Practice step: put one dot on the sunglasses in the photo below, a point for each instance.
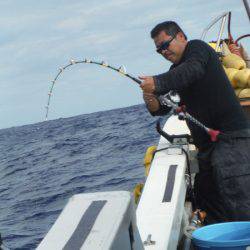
(164, 45)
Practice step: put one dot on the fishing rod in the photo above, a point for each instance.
(164, 99)
(120, 70)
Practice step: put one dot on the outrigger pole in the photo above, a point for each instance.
(247, 8)
(165, 100)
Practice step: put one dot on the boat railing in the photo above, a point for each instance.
(223, 19)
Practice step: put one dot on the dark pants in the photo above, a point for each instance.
(222, 187)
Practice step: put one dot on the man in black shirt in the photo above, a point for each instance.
(222, 186)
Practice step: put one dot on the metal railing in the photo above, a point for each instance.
(223, 19)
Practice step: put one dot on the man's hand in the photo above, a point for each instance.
(148, 84)
(151, 101)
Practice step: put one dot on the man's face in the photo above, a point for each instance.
(175, 49)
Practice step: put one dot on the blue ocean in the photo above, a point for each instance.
(42, 165)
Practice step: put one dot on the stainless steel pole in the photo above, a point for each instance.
(247, 8)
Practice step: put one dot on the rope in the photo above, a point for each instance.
(241, 37)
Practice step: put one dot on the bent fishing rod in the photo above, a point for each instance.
(165, 100)
(120, 70)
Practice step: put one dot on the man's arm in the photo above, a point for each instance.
(153, 105)
(192, 69)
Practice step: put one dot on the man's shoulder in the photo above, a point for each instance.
(198, 43)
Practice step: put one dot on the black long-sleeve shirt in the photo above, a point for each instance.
(205, 90)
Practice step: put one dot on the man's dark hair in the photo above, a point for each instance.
(171, 28)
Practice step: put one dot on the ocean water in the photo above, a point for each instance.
(44, 164)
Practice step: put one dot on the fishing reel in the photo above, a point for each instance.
(169, 99)
(172, 100)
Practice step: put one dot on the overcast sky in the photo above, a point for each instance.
(38, 37)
